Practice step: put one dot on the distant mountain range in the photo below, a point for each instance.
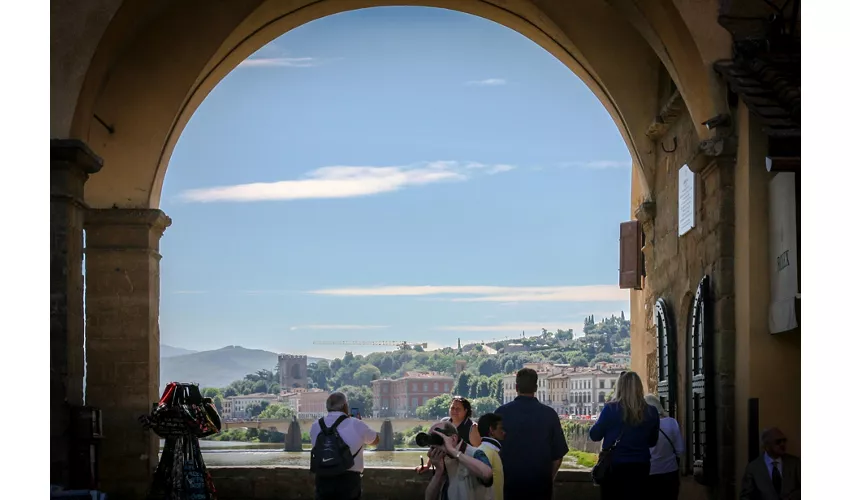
(216, 368)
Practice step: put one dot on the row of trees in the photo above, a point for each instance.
(438, 407)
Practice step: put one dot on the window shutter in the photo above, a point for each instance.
(703, 442)
(631, 255)
(666, 357)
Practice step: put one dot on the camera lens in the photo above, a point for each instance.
(423, 440)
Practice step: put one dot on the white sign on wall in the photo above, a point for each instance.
(687, 207)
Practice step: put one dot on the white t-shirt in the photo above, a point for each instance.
(354, 432)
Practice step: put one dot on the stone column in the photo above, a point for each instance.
(645, 213)
(716, 167)
(71, 162)
(122, 341)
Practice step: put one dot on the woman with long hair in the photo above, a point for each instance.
(629, 428)
(460, 415)
(664, 456)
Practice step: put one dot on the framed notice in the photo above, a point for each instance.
(687, 207)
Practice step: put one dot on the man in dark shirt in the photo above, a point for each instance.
(534, 444)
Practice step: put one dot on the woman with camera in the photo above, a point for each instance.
(461, 471)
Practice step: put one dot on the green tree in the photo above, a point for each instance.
(366, 374)
(358, 397)
(211, 392)
(481, 406)
(435, 408)
(260, 386)
(277, 411)
(386, 365)
(462, 386)
(254, 409)
(489, 367)
(218, 401)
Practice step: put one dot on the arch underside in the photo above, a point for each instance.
(158, 60)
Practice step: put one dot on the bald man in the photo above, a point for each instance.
(774, 475)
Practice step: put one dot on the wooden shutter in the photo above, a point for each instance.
(666, 357)
(631, 255)
(703, 442)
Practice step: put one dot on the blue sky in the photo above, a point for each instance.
(394, 173)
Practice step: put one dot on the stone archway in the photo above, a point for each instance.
(620, 51)
(128, 94)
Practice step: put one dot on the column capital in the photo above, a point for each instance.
(645, 213)
(152, 218)
(66, 152)
(712, 153)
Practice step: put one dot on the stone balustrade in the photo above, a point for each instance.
(379, 483)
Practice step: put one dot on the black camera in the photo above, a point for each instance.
(424, 439)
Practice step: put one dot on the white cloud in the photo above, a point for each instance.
(591, 293)
(338, 327)
(344, 182)
(279, 62)
(489, 82)
(597, 164)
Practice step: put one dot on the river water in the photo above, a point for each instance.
(229, 453)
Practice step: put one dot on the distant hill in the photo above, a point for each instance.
(167, 351)
(216, 368)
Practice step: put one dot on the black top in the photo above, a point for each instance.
(463, 429)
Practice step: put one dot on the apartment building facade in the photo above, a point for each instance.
(402, 396)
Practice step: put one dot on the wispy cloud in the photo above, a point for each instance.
(591, 293)
(338, 327)
(489, 82)
(345, 182)
(279, 62)
(596, 164)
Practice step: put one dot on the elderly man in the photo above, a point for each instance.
(337, 455)
(462, 471)
(774, 475)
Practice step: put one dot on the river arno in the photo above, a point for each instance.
(230, 453)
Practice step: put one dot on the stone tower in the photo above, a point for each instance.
(293, 371)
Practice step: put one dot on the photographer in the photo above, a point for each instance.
(461, 471)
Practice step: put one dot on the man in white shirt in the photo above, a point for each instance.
(774, 475)
(355, 434)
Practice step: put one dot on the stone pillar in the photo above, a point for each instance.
(71, 162)
(645, 213)
(716, 168)
(122, 341)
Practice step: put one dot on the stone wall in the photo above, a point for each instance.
(675, 264)
(284, 483)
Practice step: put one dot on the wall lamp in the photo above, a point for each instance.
(721, 120)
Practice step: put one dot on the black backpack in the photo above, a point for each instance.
(331, 456)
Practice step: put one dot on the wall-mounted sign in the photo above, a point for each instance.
(784, 259)
(687, 207)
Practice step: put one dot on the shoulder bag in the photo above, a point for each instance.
(602, 470)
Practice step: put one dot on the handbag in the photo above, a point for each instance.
(602, 470)
(671, 446)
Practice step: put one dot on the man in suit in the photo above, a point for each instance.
(774, 475)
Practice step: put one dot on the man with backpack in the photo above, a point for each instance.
(337, 455)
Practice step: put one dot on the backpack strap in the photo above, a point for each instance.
(338, 421)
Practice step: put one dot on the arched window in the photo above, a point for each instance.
(701, 415)
(666, 357)
(601, 396)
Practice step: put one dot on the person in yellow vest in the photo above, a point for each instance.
(492, 433)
